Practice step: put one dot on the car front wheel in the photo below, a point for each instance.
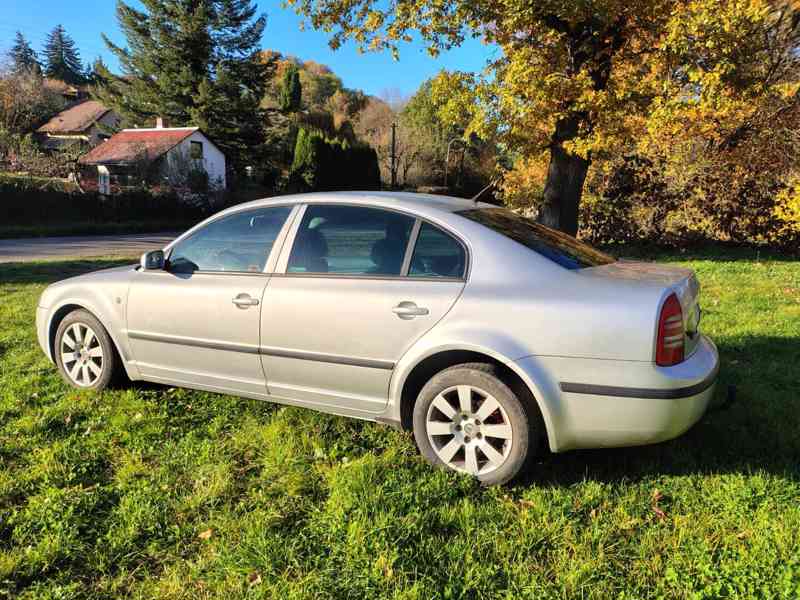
(84, 352)
(466, 419)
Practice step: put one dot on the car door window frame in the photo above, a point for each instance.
(274, 253)
(281, 268)
(412, 245)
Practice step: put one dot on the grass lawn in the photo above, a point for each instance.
(155, 492)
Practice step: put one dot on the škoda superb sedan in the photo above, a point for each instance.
(487, 334)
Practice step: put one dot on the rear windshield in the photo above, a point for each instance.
(555, 245)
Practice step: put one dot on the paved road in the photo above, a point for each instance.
(28, 249)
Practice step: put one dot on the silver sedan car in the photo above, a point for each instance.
(488, 335)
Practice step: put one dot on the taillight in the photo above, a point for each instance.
(669, 345)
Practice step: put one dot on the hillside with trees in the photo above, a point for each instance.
(656, 121)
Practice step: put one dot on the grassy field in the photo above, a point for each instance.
(154, 492)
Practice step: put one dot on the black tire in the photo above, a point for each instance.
(525, 427)
(108, 365)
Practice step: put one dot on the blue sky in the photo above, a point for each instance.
(374, 73)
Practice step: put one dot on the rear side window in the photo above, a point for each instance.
(437, 254)
(240, 242)
(351, 240)
(559, 247)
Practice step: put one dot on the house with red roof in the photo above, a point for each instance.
(83, 122)
(161, 156)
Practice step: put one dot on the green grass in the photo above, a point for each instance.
(153, 492)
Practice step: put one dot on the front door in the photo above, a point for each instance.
(353, 299)
(196, 323)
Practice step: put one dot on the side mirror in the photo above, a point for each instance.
(152, 261)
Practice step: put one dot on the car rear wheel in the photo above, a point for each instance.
(84, 352)
(467, 420)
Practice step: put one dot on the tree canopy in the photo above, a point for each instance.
(580, 80)
(61, 57)
(194, 63)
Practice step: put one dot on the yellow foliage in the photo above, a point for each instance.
(523, 185)
(787, 209)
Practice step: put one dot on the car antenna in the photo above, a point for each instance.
(486, 194)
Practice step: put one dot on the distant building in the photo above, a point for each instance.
(82, 122)
(69, 92)
(162, 156)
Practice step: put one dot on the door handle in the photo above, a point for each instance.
(245, 300)
(408, 310)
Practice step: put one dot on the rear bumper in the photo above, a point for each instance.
(606, 404)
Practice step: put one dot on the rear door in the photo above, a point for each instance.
(196, 323)
(351, 297)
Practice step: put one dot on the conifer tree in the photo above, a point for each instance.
(291, 92)
(196, 64)
(23, 57)
(62, 59)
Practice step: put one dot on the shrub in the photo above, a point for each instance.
(642, 199)
(331, 164)
(23, 204)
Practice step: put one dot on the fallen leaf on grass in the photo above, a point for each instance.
(253, 579)
(204, 535)
(656, 496)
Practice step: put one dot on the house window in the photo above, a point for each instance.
(196, 150)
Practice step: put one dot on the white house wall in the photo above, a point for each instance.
(213, 159)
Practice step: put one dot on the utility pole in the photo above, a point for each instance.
(394, 157)
(447, 157)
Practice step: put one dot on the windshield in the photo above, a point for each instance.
(559, 247)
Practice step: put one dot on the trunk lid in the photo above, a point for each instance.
(680, 280)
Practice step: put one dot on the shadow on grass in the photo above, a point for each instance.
(50, 271)
(757, 432)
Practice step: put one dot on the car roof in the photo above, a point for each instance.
(422, 204)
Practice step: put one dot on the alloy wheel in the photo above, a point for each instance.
(469, 430)
(81, 354)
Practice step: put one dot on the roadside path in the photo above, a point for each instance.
(30, 249)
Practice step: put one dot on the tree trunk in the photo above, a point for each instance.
(565, 176)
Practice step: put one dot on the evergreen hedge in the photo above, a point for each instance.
(330, 164)
(21, 204)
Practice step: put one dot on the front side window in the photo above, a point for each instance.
(437, 254)
(352, 240)
(557, 246)
(196, 150)
(240, 242)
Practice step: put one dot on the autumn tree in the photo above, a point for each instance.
(472, 159)
(374, 126)
(580, 80)
(194, 63)
(25, 102)
(553, 76)
(62, 60)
